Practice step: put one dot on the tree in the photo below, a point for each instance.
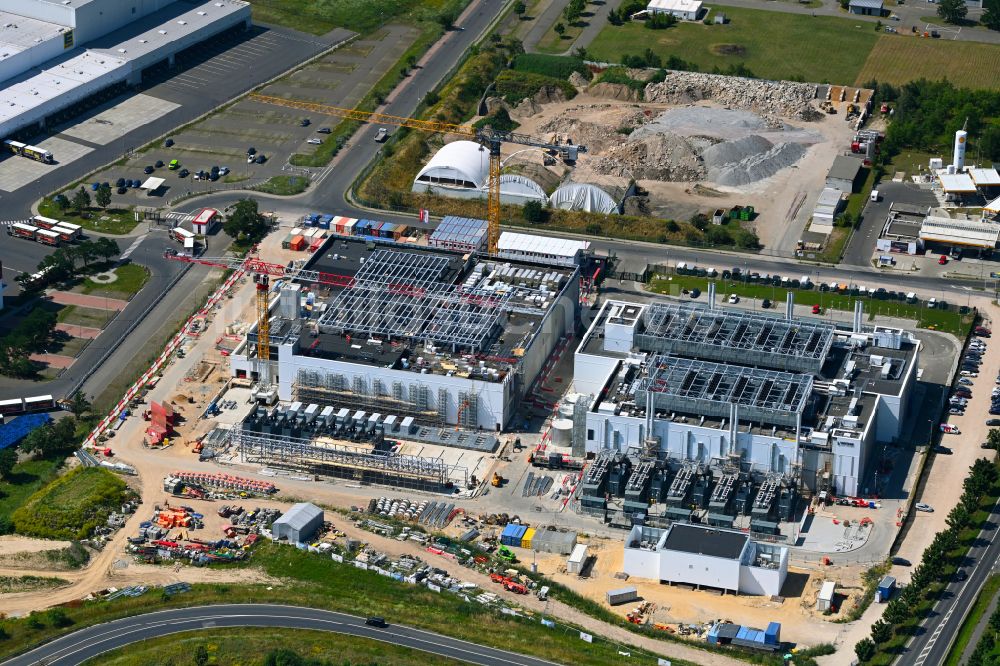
(105, 248)
(865, 649)
(520, 8)
(61, 202)
(993, 438)
(78, 404)
(952, 11)
(103, 195)
(672, 226)
(87, 251)
(245, 223)
(560, 29)
(881, 632)
(532, 211)
(614, 18)
(991, 14)
(201, 655)
(895, 611)
(81, 200)
(8, 458)
(446, 19)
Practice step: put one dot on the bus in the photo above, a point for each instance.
(31, 152)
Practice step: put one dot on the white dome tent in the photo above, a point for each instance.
(583, 196)
(458, 165)
(519, 189)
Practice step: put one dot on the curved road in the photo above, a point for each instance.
(87, 643)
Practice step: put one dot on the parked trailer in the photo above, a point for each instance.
(622, 595)
(39, 403)
(46, 237)
(31, 152)
(23, 230)
(181, 235)
(44, 222)
(12, 406)
(65, 235)
(75, 228)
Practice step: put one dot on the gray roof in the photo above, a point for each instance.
(705, 541)
(867, 4)
(299, 516)
(845, 167)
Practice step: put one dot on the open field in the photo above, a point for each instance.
(828, 48)
(975, 615)
(358, 15)
(249, 647)
(130, 278)
(898, 59)
(72, 505)
(13, 584)
(26, 478)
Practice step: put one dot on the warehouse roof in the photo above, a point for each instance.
(960, 232)
(985, 177)
(20, 33)
(867, 4)
(705, 541)
(299, 516)
(844, 168)
(993, 206)
(674, 5)
(529, 244)
(956, 182)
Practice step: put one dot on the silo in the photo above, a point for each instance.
(959, 158)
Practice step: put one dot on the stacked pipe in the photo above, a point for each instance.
(227, 481)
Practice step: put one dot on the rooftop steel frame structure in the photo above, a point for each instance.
(708, 389)
(403, 295)
(346, 460)
(735, 337)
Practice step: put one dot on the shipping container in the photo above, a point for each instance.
(47, 237)
(577, 559)
(824, 601)
(401, 230)
(376, 229)
(298, 243)
(387, 230)
(772, 635)
(325, 221)
(622, 595)
(349, 226)
(287, 243)
(44, 222)
(528, 536)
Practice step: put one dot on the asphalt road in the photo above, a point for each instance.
(88, 643)
(859, 250)
(936, 634)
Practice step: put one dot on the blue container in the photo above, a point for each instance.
(313, 217)
(325, 223)
(772, 635)
(742, 633)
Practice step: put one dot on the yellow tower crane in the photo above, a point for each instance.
(489, 138)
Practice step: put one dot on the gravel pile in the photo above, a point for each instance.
(757, 165)
(723, 154)
(666, 157)
(771, 99)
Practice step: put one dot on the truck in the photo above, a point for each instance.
(23, 230)
(31, 152)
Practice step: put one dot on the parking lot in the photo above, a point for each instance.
(340, 78)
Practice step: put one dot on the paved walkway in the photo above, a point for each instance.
(83, 332)
(87, 301)
(53, 360)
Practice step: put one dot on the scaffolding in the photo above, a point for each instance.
(403, 295)
(709, 389)
(358, 462)
(736, 337)
(402, 399)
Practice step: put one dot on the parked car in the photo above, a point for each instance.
(943, 259)
(901, 561)
(381, 135)
(260, 159)
(956, 411)
(168, 143)
(920, 506)
(122, 190)
(251, 151)
(314, 142)
(766, 303)
(695, 293)
(993, 422)
(305, 122)
(159, 164)
(816, 309)
(965, 381)
(982, 331)
(961, 575)
(324, 130)
(120, 182)
(183, 173)
(148, 170)
(734, 299)
(985, 445)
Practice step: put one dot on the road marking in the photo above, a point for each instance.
(133, 247)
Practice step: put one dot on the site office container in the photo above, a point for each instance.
(401, 230)
(47, 237)
(24, 230)
(324, 222)
(622, 596)
(528, 536)
(376, 229)
(387, 230)
(338, 224)
(349, 226)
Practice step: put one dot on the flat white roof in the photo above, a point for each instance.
(827, 591)
(960, 232)
(540, 245)
(674, 5)
(20, 33)
(993, 206)
(956, 182)
(985, 177)
(830, 196)
(152, 183)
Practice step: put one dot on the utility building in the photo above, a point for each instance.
(299, 523)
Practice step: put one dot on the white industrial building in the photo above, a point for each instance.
(54, 55)
(779, 397)
(686, 10)
(432, 336)
(706, 557)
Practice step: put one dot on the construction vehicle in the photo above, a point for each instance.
(497, 480)
(489, 138)
(507, 555)
(515, 587)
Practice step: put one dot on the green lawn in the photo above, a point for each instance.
(773, 45)
(284, 185)
(249, 647)
(942, 320)
(990, 590)
(130, 279)
(81, 316)
(553, 42)
(118, 221)
(27, 477)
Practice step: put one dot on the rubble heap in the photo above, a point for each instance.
(770, 99)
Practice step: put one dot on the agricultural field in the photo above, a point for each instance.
(71, 506)
(898, 59)
(250, 647)
(358, 15)
(827, 48)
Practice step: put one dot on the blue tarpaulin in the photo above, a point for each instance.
(18, 428)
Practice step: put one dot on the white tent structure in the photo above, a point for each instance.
(515, 188)
(458, 165)
(583, 196)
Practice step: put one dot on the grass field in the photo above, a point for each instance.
(119, 221)
(249, 647)
(70, 506)
(827, 48)
(25, 479)
(10, 584)
(130, 279)
(81, 316)
(898, 59)
(357, 15)
(942, 320)
(284, 185)
(990, 590)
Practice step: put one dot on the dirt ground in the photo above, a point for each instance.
(13, 543)
(783, 201)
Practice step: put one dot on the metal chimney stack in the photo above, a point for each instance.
(711, 295)
(789, 305)
(859, 311)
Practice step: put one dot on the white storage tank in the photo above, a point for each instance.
(561, 432)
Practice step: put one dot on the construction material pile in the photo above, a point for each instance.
(226, 482)
(770, 99)
(666, 157)
(749, 159)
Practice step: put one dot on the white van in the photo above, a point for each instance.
(874, 196)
